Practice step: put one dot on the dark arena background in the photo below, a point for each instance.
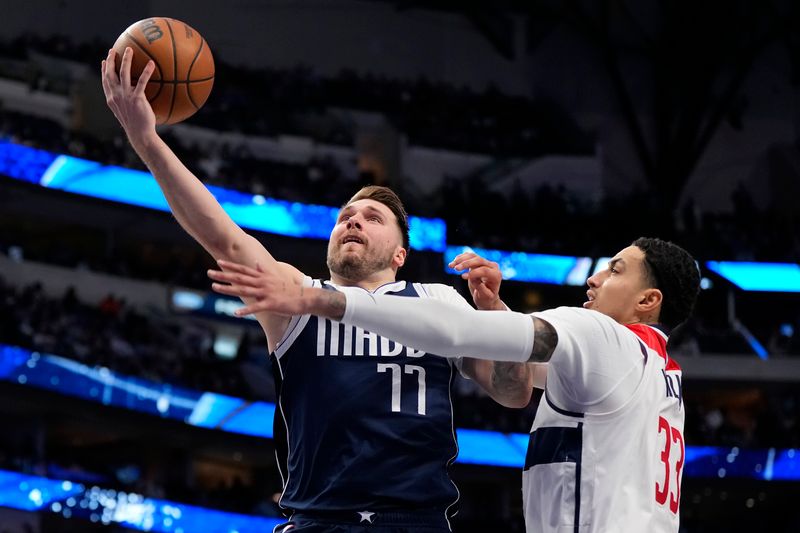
(545, 134)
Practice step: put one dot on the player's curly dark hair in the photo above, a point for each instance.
(673, 271)
(387, 197)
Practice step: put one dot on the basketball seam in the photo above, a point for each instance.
(143, 49)
(181, 82)
(174, 71)
(160, 73)
(189, 73)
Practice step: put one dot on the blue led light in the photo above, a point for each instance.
(23, 162)
(601, 264)
(134, 187)
(520, 266)
(31, 493)
(754, 344)
(135, 511)
(786, 465)
(766, 277)
(255, 420)
(427, 234)
(187, 300)
(491, 448)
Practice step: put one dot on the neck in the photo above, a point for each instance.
(371, 282)
(650, 320)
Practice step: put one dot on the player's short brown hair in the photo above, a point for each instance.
(387, 197)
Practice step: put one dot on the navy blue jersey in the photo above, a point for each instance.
(363, 422)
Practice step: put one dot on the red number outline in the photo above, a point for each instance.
(672, 436)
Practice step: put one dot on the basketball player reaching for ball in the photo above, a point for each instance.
(606, 450)
(363, 428)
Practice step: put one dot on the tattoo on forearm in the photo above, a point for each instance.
(335, 303)
(507, 377)
(544, 341)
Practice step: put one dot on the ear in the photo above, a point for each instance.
(649, 301)
(399, 258)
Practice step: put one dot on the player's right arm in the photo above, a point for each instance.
(428, 324)
(194, 207)
(509, 384)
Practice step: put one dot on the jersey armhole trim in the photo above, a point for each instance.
(295, 327)
(559, 410)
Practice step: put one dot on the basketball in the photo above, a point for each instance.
(184, 73)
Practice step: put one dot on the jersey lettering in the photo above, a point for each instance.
(335, 338)
(674, 388)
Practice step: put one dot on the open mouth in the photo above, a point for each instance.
(590, 299)
(352, 238)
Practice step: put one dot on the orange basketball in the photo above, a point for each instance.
(184, 72)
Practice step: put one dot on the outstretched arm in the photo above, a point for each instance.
(426, 324)
(194, 207)
(509, 384)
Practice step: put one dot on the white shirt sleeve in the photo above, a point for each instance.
(446, 293)
(439, 327)
(449, 294)
(597, 363)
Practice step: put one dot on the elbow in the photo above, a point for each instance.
(227, 247)
(512, 384)
(519, 400)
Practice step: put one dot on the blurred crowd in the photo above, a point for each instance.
(165, 474)
(111, 334)
(742, 416)
(298, 101)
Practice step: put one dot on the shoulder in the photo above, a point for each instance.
(578, 317)
(655, 340)
(438, 291)
(587, 327)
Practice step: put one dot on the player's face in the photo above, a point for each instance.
(617, 290)
(365, 240)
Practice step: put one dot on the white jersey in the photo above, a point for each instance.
(606, 451)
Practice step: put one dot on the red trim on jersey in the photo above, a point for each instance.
(655, 341)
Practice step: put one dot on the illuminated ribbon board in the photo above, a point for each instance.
(135, 187)
(521, 266)
(762, 277)
(235, 415)
(294, 219)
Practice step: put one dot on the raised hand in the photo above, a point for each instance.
(128, 102)
(483, 277)
(271, 292)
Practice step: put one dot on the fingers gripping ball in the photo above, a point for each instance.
(184, 73)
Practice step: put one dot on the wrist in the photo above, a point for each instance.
(330, 304)
(496, 305)
(143, 142)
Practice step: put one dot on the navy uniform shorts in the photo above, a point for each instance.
(366, 522)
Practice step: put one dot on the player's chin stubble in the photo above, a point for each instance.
(354, 267)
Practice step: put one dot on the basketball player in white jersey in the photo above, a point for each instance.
(606, 452)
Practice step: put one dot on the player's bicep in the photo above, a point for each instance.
(545, 339)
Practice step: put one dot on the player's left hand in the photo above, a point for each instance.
(263, 290)
(483, 277)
